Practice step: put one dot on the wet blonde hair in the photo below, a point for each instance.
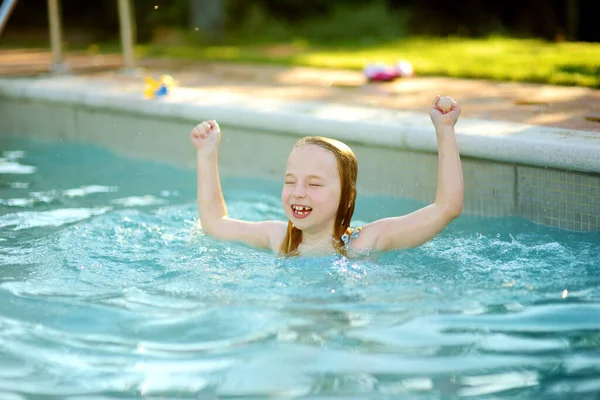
(348, 172)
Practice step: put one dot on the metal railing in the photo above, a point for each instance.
(56, 42)
(5, 11)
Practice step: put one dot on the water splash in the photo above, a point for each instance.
(108, 283)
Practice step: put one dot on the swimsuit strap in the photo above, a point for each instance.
(347, 239)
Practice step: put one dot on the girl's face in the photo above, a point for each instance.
(311, 190)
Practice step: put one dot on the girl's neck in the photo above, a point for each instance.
(317, 243)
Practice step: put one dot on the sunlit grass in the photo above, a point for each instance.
(496, 58)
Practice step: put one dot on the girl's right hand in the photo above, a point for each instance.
(444, 117)
(206, 137)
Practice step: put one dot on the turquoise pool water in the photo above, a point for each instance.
(108, 290)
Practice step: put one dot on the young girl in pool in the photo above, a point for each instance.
(319, 194)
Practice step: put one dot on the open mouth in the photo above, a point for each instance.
(301, 211)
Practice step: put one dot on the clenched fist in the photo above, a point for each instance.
(206, 137)
(444, 112)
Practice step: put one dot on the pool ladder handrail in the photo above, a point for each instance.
(126, 21)
(5, 11)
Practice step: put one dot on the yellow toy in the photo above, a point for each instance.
(160, 88)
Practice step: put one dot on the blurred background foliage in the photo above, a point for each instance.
(543, 41)
(239, 21)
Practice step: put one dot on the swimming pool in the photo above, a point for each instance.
(109, 289)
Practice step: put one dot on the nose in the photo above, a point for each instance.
(299, 190)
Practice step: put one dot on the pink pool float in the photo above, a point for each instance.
(387, 73)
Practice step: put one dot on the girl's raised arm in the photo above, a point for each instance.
(417, 228)
(211, 205)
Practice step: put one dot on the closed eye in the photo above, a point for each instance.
(315, 184)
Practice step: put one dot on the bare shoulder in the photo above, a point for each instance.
(276, 231)
(406, 231)
(263, 234)
(366, 238)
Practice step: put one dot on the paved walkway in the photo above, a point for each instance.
(567, 107)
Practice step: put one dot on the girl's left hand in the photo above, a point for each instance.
(448, 118)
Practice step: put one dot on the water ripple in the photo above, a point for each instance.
(110, 289)
(55, 218)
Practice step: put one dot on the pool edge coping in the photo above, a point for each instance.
(500, 141)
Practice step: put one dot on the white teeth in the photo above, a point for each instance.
(301, 210)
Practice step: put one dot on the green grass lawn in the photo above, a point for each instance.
(495, 58)
(504, 59)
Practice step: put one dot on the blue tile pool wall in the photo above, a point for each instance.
(489, 187)
(564, 199)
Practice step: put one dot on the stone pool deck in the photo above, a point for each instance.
(542, 105)
(293, 103)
